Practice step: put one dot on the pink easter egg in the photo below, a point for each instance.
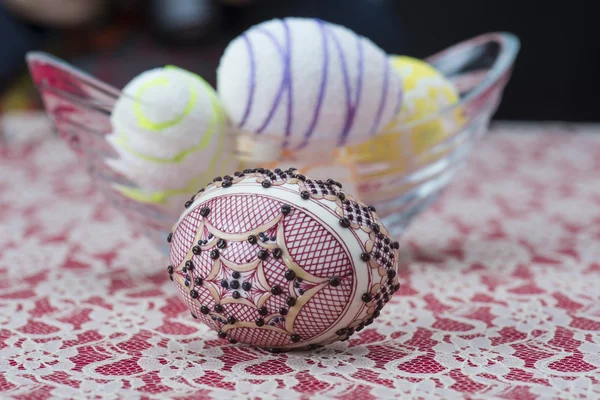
(281, 261)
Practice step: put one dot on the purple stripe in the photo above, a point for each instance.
(252, 80)
(348, 120)
(361, 71)
(288, 64)
(284, 80)
(359, 85)
(281, 86)
(383, 97)
(323, 86)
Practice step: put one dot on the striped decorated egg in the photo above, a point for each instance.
(169, 131)
(303, 81)
(277, 260)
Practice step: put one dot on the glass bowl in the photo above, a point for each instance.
(411, 176)
(387, 172)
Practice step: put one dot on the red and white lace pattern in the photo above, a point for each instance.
(499, 294)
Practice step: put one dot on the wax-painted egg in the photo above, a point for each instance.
(426, 93)
(281, 261)
(302, 81)
(169, 131)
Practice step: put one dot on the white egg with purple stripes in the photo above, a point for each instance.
(305, 81)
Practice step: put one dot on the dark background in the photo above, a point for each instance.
(556, 75)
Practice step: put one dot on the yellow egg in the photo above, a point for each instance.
(426, 93)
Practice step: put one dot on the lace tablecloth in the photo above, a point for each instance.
(499, 298)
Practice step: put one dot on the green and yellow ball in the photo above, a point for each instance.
(170, 135)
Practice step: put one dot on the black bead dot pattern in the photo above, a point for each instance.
(290, 275)
(263, 237)
(262, 254)
(205, 211)
(276, 290)
(286, 209)
(345, 222)
(295, 338)
(169, 238)
(376, 228)
(246, 286)
(318, 188)
(273, 177)
(384, 253)
(358, 214)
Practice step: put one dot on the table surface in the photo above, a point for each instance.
(499, 298)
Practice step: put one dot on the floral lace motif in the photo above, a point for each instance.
(499, 294)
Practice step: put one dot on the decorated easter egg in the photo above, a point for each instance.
(299, 81)
(411, 133)
(277, 260)
(169, 132)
